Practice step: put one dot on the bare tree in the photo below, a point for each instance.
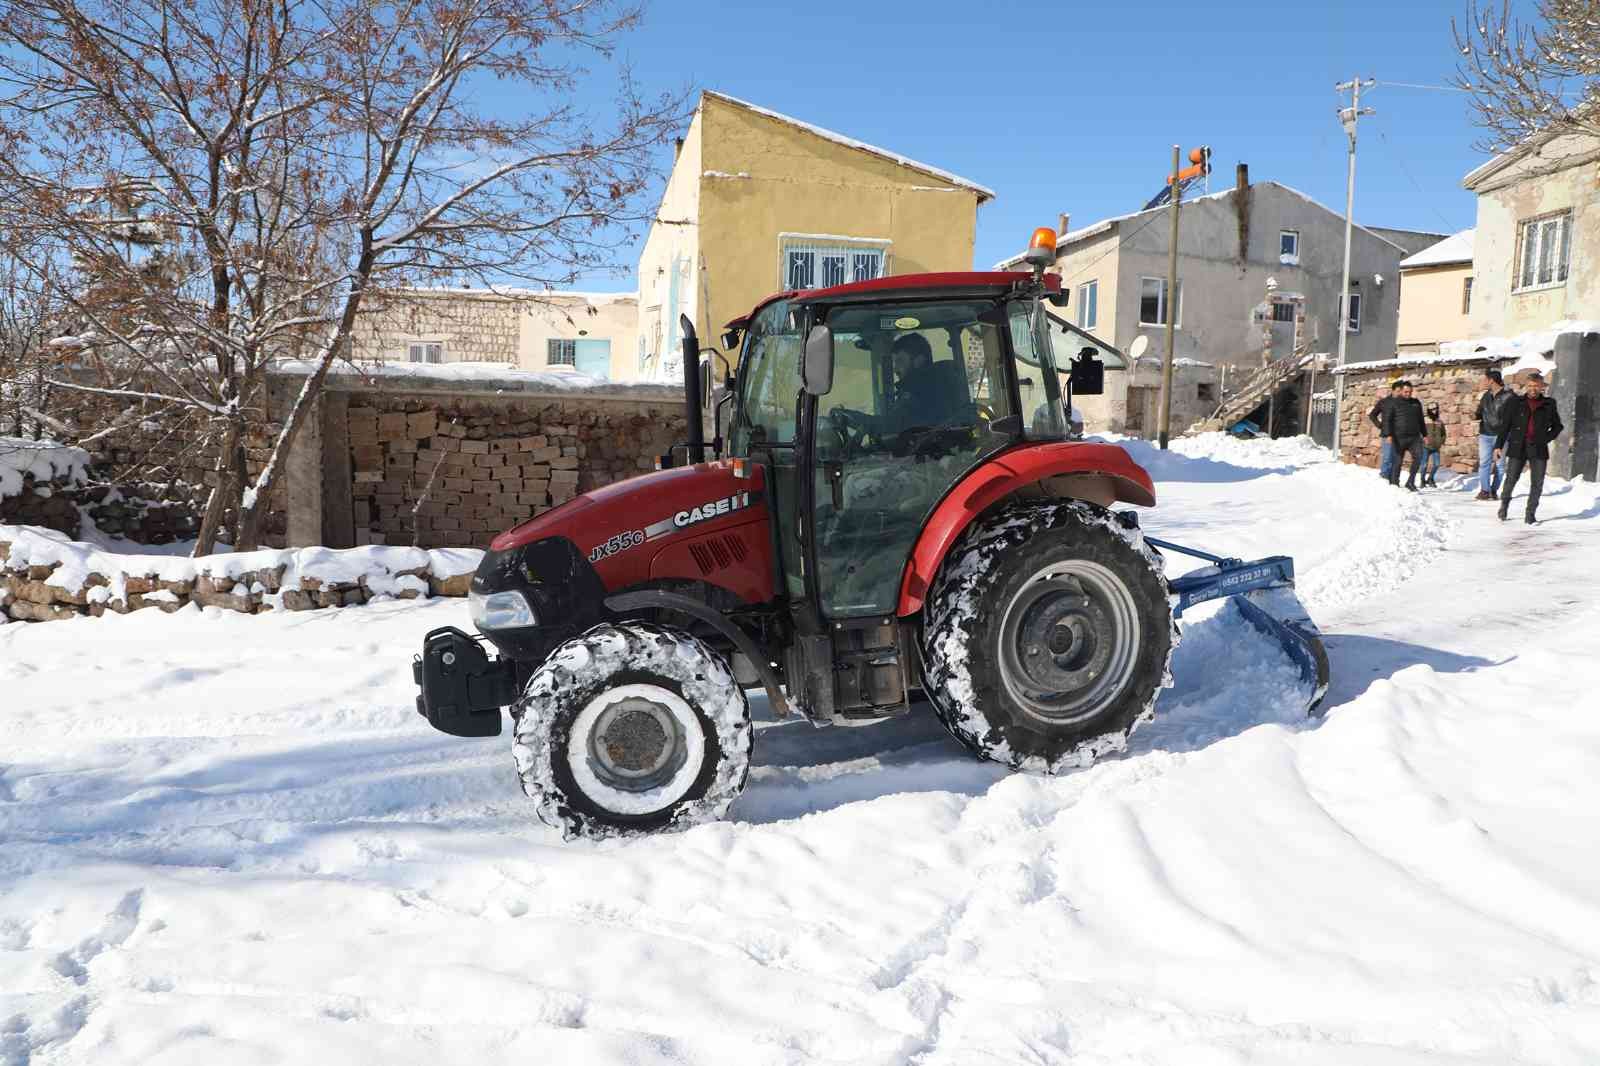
(29, 319)
(292, 159)
(1531, 77)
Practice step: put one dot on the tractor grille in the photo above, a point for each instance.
(717, 553)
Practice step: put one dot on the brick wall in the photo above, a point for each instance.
(1455, 387)
(440, 462)
(476, 326)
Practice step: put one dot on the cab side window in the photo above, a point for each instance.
(770, 380)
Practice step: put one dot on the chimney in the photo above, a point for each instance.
(1242, 177)
(1061, 224)
(677, 148)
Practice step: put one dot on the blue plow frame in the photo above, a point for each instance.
(1263, 592)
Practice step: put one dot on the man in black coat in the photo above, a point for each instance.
(1404, 423)
(1532, 422)
(1491, 416)
(1386, 456)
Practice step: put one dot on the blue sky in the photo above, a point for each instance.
(1072, 106)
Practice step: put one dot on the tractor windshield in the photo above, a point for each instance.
(1038, 381)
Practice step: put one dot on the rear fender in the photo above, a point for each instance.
(1100, 473)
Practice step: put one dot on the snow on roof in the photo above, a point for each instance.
(1097, 228)
(984, 193)
(512, 292)
(1456, 248)
(1527, 351)
(43, 460)
(500, 376)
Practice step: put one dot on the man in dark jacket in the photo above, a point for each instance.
(1386, 456)
(1403, 424)
(1532, 422)
(1491, 418)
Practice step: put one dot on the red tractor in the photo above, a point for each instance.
(897, 507)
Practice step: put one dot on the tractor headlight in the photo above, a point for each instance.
(500, 610)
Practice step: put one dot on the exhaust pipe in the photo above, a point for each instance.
(696, 451)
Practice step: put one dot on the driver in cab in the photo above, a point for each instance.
(920, 396)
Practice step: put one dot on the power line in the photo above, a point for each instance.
(1400, 161)
(1411, 85)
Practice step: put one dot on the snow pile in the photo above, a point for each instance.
(86, 574)
(41, 460)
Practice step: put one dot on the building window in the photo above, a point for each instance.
(1153, 302)
(1466, 296)
(426, 352)
(817, 264)
(1282, 312)
(561, 353)
(1289, 247)
(1355, 312)
(1545, 245)
(1088, 304)
(1207, 393)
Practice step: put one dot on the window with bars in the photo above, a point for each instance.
(561, 352)
(818, 265)
(1544, 249)
(1282, 312)
(425, 352)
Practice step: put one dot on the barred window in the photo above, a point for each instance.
(818, 264)
(561, 352)
(426, 352)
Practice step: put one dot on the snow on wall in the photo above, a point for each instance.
(42, 460)
(45, 575)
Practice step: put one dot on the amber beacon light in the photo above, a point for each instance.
(1041, 248)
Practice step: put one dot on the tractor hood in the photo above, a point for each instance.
(616, 518)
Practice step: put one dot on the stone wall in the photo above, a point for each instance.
(1455, 386)
(440, 461)
(469, 325)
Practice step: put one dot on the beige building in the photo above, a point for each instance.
(1436, 295)
(1537, 251)
(759, 202)
(589, 333)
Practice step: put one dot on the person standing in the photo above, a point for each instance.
(1403, 425)
(1491, 417)
(1433, 438)
(1386, 456)
(1532, 422)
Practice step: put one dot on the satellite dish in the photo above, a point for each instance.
(1140, 345)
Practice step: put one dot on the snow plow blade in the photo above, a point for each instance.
(1263, 593)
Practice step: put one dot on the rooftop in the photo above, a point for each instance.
(984, 193)
(1456, 248)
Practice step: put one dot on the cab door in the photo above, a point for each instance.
(766, 427)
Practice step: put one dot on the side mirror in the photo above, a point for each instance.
(1059, 298)
(1088, 376)
(816, 365)
(730, 339)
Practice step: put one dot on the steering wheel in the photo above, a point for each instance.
(853, 428)
(916, 440)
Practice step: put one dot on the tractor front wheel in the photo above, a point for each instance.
(632, 728)
(1047, 636)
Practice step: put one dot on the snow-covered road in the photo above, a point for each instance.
(230, 840)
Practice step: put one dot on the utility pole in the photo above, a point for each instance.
(1172, 301)
(1348, 116)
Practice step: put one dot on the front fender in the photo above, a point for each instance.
(1003, 475)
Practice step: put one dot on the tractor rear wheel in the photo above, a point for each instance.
(631, 728)
(1047, 636)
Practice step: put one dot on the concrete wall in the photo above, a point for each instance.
(1220, 291)
(1431, 307)
(762, 177)
(669, 272)
(1558, 176)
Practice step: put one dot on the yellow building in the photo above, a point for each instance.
(758, 202)
(1436, 295)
